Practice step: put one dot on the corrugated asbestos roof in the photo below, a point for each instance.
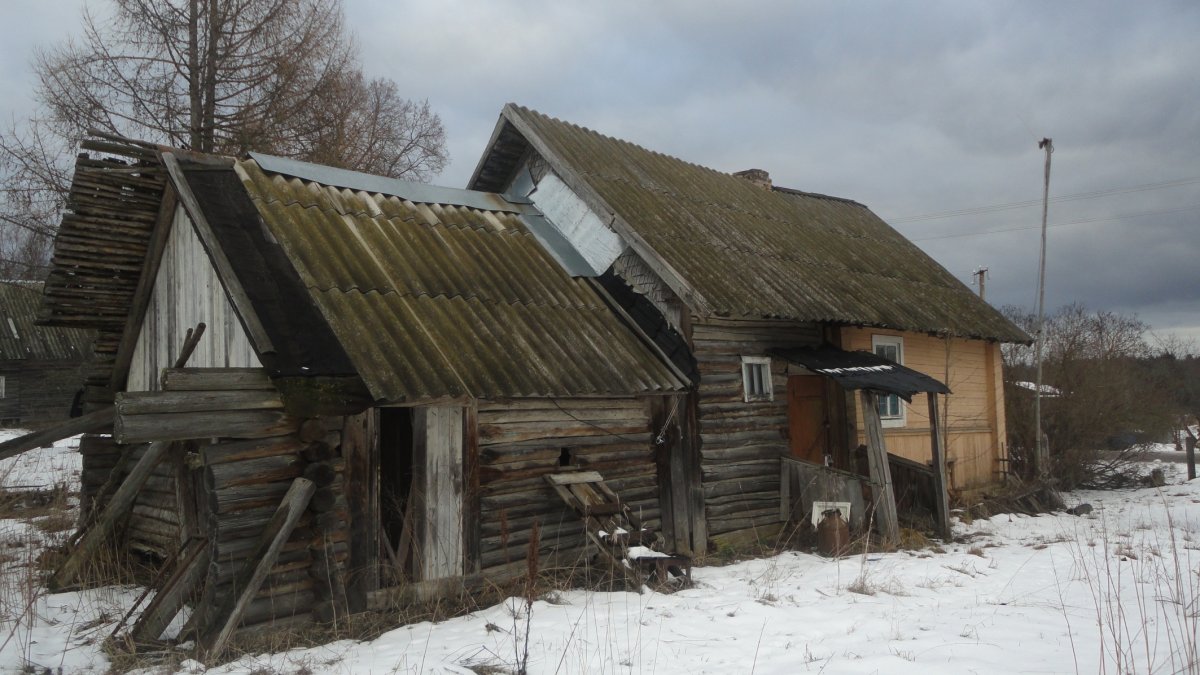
(437, 300)
(752, 252)
(21, 339)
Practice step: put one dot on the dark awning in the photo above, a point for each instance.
(862, 370)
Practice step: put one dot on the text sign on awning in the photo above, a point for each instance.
(862, 370)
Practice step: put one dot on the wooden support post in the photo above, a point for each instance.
(101, 530)
(258, 565)
(881, 474)
(171, 596)
(937, 444)
(1190, 444)
(91, 422)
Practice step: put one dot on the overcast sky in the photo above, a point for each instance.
(910, 108)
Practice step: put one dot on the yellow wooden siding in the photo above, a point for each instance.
(975, 439)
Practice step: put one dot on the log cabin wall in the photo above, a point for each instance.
(741, 442)
(227, 487)
(975, 435)
(521, 441)
(244, 481)
(187, 292)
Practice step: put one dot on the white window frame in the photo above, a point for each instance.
(753, 362)
(892, 421)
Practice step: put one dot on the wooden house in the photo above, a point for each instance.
(41, 368)
(753, 279)
(327, 383)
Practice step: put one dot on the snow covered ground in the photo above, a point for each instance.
(1113, 591)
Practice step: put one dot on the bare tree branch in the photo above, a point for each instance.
(225, 76)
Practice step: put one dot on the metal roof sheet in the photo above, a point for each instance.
(863, 370)
(757, 253)
(22, 340)
(444, 299)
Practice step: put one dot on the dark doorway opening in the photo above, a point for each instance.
(395, 492)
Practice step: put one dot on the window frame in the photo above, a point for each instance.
(900, 420)
(754, 362)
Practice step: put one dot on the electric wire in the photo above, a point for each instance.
(970, 211)
(1081, 221)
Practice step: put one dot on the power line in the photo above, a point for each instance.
(1062, 224)
(1035, 202)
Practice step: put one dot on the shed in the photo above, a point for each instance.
(41, 367)
(376, 374)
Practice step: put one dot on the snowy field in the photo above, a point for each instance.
(1113, 591)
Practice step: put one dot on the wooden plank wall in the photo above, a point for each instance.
(37, 393)
(740, 442)
(975, 432)
(187, 292)
(522, 441)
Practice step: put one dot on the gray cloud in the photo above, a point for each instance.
(910, 108)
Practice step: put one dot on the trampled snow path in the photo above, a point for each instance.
(1023, 595)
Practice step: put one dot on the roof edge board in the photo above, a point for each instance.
(566, 173)
(356, 180)
(232, 285)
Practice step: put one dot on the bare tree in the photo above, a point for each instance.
(225, 76)
(1106, 386)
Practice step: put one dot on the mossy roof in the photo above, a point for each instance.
(745, 251)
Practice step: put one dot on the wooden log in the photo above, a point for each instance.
(93, 422)
(101, 531)
(319, 451)
(171, 402)
(322, 474)
(255, 570)
(884, 496)
(276, 469)
(571, 404)
(255, 448)
(171, 596)
(311, 430)
(197, 425)
(216, 379)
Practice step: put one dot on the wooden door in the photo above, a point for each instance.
(808, 418)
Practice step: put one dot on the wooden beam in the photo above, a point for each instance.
(101, 531)
(170, 402)
(181, 426)
(92, 422)
(565, 171)
(882, 492)
(258, 565)
(937, 444)
(170, 597)
(229, 279)
(145, 289)
(216, 379)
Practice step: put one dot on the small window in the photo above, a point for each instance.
(2, 387)
(891, 408)
(756, 379)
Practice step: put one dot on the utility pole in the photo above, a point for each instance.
(981, 279)
(1042, 453)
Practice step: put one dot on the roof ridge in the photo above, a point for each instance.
(792, 191)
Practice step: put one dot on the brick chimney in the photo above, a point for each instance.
(757, 176)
